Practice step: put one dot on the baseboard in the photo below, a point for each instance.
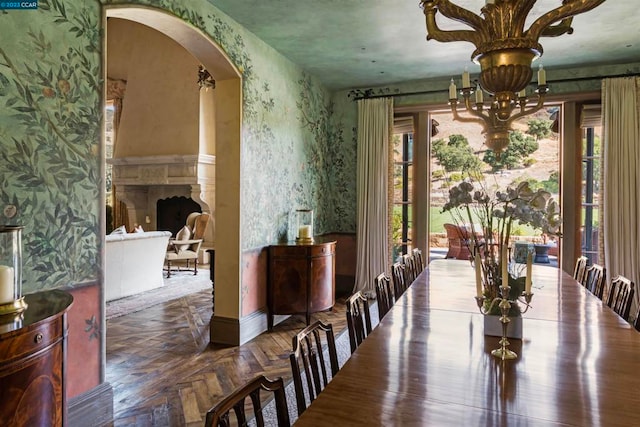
(93, 408)
(227, 331)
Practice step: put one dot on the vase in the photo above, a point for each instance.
(493, 326)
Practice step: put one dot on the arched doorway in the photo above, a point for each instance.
(228, 92)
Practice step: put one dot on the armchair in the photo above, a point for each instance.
(186, 245)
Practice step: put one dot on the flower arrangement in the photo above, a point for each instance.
(470, 203)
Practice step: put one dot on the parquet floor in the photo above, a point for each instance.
(165, 373)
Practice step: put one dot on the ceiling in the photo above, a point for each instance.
(365, 43)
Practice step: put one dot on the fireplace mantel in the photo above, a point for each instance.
(141, 181)
(164, 170)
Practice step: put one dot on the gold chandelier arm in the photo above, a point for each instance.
(430, 8)
(481, 120)
(524, 112)
(568, 9)
(460, 14)
(564, 27)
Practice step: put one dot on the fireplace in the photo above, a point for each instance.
(171, 213)
(180, 184)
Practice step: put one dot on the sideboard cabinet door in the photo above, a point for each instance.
(301, 279)
(32, 362)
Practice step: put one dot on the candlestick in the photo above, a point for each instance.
(466, 81)
(527, 280)
(542, 76)
(6, 284)
(453, 92)
(478, 265)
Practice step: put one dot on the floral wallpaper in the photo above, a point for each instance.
(50, 115)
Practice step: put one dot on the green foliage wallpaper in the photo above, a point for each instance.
(50, 119)
(50, 124)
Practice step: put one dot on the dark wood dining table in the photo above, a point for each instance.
(428, 362)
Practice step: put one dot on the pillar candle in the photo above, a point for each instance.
(505, 271)
(527, 281)
(453, 91)
(304, 232)
(542, 76)
(522, 93)
(466, 81)
(6, 284)
(478, 95)
(478, 265)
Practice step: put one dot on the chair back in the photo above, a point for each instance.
(580, 270)
(418, 260)
(358, 319)
(595, 279)
(218, 416)
(308, 357)
(409, 270)
(621, 296)
(399, 284)
(636, 323)
(384, 294)
(458, 240)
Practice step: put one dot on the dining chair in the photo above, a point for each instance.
(580, 269)
(308, 364)
(399, 284)
(620, 296)
(384, 294)
(409, 269)
(595, 279)
(636, 323)
(358, 319)
(418, 260)
(218, 416)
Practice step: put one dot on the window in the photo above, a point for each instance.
(402, 193)
(533, 156)
(590, 192)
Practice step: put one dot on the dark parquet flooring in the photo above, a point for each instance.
(164, 372)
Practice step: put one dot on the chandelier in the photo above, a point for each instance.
(504, 51)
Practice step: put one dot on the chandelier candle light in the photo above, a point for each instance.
(504, 51)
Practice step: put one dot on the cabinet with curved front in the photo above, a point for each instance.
(301, 278)
(32, 362)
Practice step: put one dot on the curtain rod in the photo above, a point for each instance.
(358, 94)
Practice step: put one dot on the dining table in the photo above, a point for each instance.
(429, 363)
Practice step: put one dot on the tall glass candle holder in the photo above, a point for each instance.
(11, 299)
(305, 226)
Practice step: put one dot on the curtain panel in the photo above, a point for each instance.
(621, 179)
(375, 124)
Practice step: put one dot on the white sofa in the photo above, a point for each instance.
(134, 263)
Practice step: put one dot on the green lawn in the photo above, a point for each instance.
(439, 218)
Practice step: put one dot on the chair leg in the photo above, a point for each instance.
(195, 266)
(168, 269)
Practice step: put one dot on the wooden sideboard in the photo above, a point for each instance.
(32, 362)
(301, 278)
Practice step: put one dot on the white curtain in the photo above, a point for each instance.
(375, 123)
(621, 166)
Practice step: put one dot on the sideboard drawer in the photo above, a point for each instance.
(32, 340)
